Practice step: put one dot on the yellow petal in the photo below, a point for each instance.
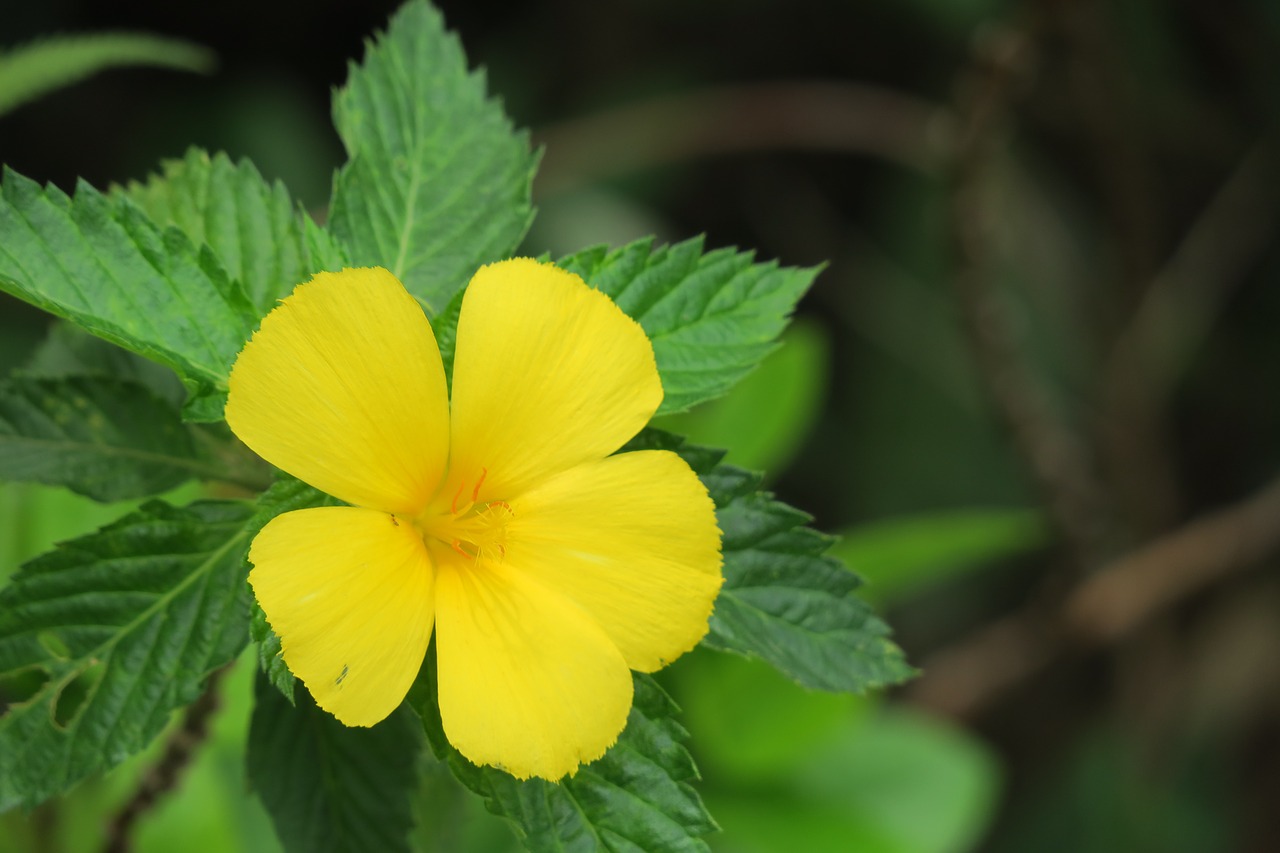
(528, 682)
(548, 373)
(633, 540)
(342, 387)
(349, 592)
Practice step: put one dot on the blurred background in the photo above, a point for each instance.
(1034, 390)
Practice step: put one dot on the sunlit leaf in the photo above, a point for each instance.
(102, 264)
(437, 183)
(255, 229)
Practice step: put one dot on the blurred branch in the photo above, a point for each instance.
(840, 117)
(1170, 569)
(1105, 113)
(1173, 320)
(1183, 301)
(965, 678)
(1134, 449)
(163, 776)
(1059, 460)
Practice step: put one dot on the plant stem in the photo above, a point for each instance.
(163, 775)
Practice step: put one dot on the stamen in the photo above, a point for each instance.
(473, 529)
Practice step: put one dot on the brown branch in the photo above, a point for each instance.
(164, 774)
(967, 677)
(1168, 570)
(823, 116)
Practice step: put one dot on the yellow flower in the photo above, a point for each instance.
(548, 567)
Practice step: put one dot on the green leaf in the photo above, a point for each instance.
(712, 317)
(636, 797)
(784, 600)
(69, 350)
(254, 228)
(437, 183)
(102, 264)
(327, 787)
(29, 71)
(765, 419)
(108, 439)
(892, 781)
(900, 556)
(110, 633)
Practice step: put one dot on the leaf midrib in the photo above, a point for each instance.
(118, 451)
(102, 652)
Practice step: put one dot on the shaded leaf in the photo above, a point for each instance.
(108, 439)
(327, 787)
(69, 351)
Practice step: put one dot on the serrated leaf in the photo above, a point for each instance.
(119, 628)
(784, 600)
(32, 70)
(285, 495)
(437, 183)
(636, 797)
(254, 228)
(327, 787)
(102, 264)
(711, 317)
(108, 439)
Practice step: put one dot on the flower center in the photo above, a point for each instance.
(469, 526)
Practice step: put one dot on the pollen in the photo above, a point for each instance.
(471, 528)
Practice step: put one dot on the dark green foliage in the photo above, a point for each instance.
(109, 439)
(121, 627)
(327, 787)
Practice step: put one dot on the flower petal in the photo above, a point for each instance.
(342, 386)
(548, 373)
(349, 592)
(528, 682)
(633, 540)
